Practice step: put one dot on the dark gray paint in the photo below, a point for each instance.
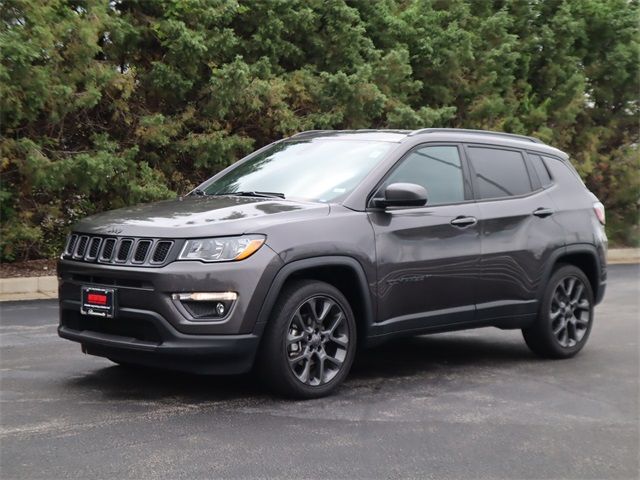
(420, 271)
(427, 268)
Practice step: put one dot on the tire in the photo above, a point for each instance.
(566, 315)
(309, 342)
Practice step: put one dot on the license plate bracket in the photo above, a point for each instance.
(98, 302)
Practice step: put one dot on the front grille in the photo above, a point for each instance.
(82, 247)
(123, 250)
(94, 248)
(71, 244)
(141, 252)
(107, 249)
(161, 251)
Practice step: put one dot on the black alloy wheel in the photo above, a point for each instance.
(310, 341)
(566, 315)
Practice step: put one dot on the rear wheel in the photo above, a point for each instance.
(566, 315)
(310, 341)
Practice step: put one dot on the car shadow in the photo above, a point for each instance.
(410, 356)
(398, 358)
(144, 384)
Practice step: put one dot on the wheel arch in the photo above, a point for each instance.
(583, 256)
(344, 273)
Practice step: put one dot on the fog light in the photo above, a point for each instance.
(205, 305)
(206, 296)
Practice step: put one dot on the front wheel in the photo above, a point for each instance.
(566, 315)
(310, 341)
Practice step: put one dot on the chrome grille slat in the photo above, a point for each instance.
(81, 247)
(107, 249)
(94, 248)
(124, 249)
(141, 250)
(151, 252)
(162, 250)
(71, 244)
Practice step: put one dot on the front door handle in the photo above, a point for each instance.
(542, 212)
(463, 221)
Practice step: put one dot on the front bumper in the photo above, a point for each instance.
(150, 329)
(144, 337)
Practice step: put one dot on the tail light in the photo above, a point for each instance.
(598, 208)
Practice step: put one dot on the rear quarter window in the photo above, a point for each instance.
(540, 169)
(563, 172)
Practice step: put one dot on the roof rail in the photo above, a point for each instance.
(358, 130)
(305, 132)
(476, 132)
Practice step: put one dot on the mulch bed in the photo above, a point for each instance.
(31, 268)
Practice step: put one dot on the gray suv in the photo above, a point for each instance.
(326, 242)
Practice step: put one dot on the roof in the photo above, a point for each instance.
(511, 136)
(392, 135)
(437, 134)
(379, 135)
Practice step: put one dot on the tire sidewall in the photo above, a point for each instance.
(544, 316)
(282, 321)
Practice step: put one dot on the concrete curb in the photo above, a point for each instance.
(40, 288)
(623, 255)
(28, 288)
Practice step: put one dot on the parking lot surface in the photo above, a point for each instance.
(474, 404)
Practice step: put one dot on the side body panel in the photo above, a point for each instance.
(574, 205)
(342, 233)
(427, 268)
(516, 247)
(520, 233)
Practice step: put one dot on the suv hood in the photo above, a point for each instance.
(188, 217)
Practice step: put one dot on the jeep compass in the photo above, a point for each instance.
(326, 242)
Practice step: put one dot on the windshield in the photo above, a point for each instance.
(320, 169)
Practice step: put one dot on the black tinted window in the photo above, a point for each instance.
(499, 173)
(438, 169)
(540, 170)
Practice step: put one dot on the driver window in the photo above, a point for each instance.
(438, 169)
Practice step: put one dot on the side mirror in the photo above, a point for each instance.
(402, 195)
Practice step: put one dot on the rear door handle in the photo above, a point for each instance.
(543, 212)
(463, 221)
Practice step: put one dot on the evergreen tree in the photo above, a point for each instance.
(108, 103)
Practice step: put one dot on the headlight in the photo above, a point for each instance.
(221, 249)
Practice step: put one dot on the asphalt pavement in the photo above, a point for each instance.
(474, 404)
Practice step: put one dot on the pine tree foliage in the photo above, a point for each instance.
(105, 103)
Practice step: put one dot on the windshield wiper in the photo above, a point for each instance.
(254, 194)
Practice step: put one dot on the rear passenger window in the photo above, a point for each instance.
(499, 173)
(437, 168)
(540, 169)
